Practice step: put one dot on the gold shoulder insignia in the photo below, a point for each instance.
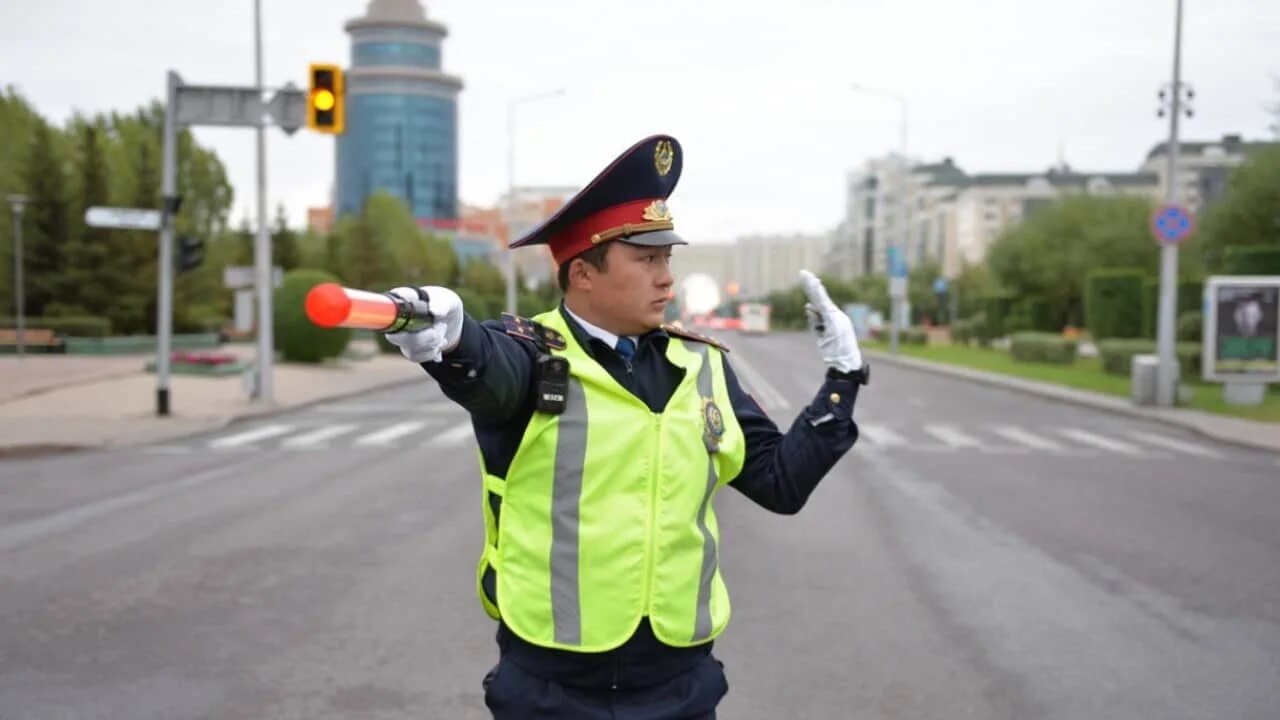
(537, 333)
(690, 335)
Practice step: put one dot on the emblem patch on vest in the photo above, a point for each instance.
(712, 425)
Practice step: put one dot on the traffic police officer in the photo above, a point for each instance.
(604, 437)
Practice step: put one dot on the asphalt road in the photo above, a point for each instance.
(978, 554)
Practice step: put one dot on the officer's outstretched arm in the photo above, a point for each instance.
(782, 470)
(482, 369)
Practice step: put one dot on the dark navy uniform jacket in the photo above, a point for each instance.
(490, 374)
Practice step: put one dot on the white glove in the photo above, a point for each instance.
(431, 343)
(836, 340)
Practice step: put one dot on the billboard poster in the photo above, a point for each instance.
(1242, 333)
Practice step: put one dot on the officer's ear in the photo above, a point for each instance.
(585, 269)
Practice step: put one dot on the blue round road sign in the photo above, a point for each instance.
(1171, 224)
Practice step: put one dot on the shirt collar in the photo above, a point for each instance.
(596, 332)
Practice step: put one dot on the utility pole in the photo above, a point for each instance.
(262, 246)
(1167, 373)
(896, 251)
(17, 203)
(510, 265)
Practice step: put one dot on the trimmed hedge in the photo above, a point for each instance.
(1190, 326)
(295, 335)
(70, 326)
(1251, 260)
(1113, 303)
(1190, 299)
(1029, 314)
(996, 308)
(1042, 347)
(913, 336)
(965, 331)
(1117, 355)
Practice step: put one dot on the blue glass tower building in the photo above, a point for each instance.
(402, 115)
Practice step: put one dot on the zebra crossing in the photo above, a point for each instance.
(1007, 439)
(439, 430)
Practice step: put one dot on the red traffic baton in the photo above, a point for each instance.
(330, 305)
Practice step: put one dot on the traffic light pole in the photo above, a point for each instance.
(262, 248)
(164, 266)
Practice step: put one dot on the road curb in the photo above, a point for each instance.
(27, 451)
(1085, 398)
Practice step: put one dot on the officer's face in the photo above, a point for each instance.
(633, 290)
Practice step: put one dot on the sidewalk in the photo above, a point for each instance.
(50, 403)
(1247, 433)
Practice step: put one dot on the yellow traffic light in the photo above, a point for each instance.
(325, 111)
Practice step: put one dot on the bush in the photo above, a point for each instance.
(996, 308)
(964, 331)
(1190, 326)
(1113, 303)
(913, 336)
(1250, 260)
(1042, 347)
(67, 326)
(1190, 299)
(295, 335)
(1117, 355)
(1029, 314)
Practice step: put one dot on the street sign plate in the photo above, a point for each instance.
(1172, 224)
(238, 277)
(122, 218)
(940, 285)
(897, 287)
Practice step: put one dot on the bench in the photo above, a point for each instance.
(43, 339)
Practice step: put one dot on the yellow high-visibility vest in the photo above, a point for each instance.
(606, 511)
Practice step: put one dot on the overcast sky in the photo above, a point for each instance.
(757, 92)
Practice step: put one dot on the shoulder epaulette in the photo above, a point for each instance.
(537, 333)
(690, 335)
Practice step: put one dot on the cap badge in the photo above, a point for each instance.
(656, 211)
(663, 157)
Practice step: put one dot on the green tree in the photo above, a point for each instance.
(924, 301)
(17, 121)
(483, 278)
(1048, 255)
(970, 286)
(94, 273)
(284, 242)
(1248, 215)
(47, 227)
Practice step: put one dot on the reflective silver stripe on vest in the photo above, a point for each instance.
(566, 494)
(702, 623)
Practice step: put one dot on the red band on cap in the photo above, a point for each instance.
(577, 237)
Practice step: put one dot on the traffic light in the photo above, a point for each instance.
(190, 253)
(325, 110)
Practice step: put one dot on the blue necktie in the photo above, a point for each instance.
(626, 347)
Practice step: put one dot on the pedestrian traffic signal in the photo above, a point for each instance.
(325, 111)
(190, 253)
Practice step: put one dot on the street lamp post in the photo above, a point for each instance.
(510, 264)
(17, 203)
(262, 243)
(899, 242)
(1167, 371)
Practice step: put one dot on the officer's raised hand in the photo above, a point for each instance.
(429, 344)
(836, 339)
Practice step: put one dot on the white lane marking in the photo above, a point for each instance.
(1098, 441)
(766, 393)
(372, 409)
(388, 435)
(453, 436)
(316, 439)
(166, 450)
(250, 436)
(1023, 437)
(952, 436)
(22, 533)
(1182, 446)
(881, 435)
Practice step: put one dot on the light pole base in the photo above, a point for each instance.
(162, 402)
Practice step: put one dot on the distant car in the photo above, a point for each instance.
(754, 318)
